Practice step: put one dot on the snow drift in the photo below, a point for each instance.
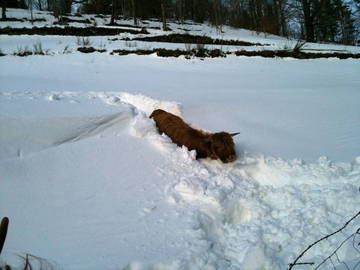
(110, 189)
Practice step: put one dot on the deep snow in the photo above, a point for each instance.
(88, 183)
(100, 192)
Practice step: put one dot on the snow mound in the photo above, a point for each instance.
(278, 172)
(144, 127)
(52, 120)
(144, 104)
(40, 134)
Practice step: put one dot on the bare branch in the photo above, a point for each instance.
(325, 237)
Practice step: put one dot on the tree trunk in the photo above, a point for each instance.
(192, 10)
(253, 15)
(3, 9)
(216, 14)
(180, 6)
(30, 3)
(123, 11)
(182, 10)
(216, 19)
(134, 11)
(308, 21)
(163, 15)
(281, 18)
(283, 24)
(112, 22)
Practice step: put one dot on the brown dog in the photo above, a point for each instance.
(213, 145)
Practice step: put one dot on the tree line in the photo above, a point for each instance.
(312, 20)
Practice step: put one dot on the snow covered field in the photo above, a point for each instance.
(88, 183)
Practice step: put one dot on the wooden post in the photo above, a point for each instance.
(3, 231)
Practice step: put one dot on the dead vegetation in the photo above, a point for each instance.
(11, 20)
(31, 262)
(174, 53)
(296, 54)
(66, 20)
(192, 53)
(22, 20)
(69, 31)
(124, 25)
(205, 53)
(90, 50)
(193, 39)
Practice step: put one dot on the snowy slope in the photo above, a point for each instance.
(57, 44)
(88, 183)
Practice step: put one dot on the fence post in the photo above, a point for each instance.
(3, 230)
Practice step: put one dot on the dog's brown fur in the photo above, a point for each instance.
(214, 145)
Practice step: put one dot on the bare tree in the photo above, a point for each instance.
(31, 6)
(280, 7)
(216, 14)
(133, 2)
(309, 11)
(163, 15)
(180, 10)
(3, 9)
(113, 11)
(39, 5)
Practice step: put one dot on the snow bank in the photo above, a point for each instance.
(146, 104)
